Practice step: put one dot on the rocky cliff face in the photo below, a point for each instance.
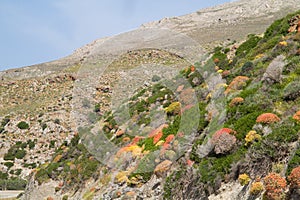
(159, 113)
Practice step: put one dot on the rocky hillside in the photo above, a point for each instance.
(155, 114)
(226, 127)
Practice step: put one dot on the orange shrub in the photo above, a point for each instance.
(267, 118)
(235, 101)
(170, 138)
(192, 68)
(126, 139)
(216, 60)
(157, 137)
(237, 84)
(136, 139)
(225, 130)
(226, 73)
(294, 178)
(222, 131)
(297, 116)
(275, 186)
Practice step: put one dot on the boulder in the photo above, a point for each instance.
(161, 169)
(273, 73)
(224, 143)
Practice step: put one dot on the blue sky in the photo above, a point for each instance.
(36, 31)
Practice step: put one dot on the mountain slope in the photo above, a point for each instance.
(226, 127)
(142, 114)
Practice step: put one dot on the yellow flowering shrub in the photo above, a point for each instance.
(244, 179)
(256, 188)
(173, 108)
(251, 136)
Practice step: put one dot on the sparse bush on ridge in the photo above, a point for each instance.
(22, 125)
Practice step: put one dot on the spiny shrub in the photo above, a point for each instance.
(275, 186)
(267, 118)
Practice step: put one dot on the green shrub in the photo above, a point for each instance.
(248, 45)
(293, 162)
(155, 78)
(65, 197)
(265, 45)
(3, 175)
(138, 107)
(89, 167)
(5, 121)
(44, 126)
(292, 66)
(218, 54)
(292, 91)
(16, 151)
(42, 176)
(9, 164)
(57, 121)
(279, 27)
(23, 125)
(244, 124)
(149, 146)
(285, 132)
(158, 94)
(171, 182)
(52, 143)
(274, 29)
(20, 153)
(97, 108)
(145, 167)
(275, 145)
(18, 172)
(9, 156)
(213, 168)
(30, 165)
(31, 144)
(13, 184)
(247, 68)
